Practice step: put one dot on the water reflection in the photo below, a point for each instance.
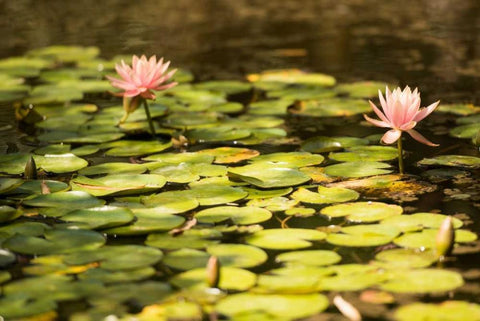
(432, 44)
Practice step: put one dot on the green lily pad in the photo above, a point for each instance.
(71, 200)
(202, 97)
(263, 175)
(191, 120)
(148, 220)
(113, 168)
(23, 228)
(274, 204)
(181, 173)
(301, 93)
(321, 144)
(238, 215)
(50, 94)
(23, 66)
(238, 255)
(423, 281)
(285, 239)
(186, 259)
(273, 136)
(465, 131)
(121, 183)
(332, 107)
(361, 89)
(353, 281)
(62, 163)
(100, 217)
(231, 278)
(65, 53)
(172, 202)
(366, 154)
(55, 241)
(325, 195)
(194, 239)
(293, 76)
(13, 164)
(216, 134)
(53, 148)
(6, 258)
(459, 109)
(452, 160)
(8, 213)
(291, 160)
(14, 307)
(270, 107)
(9, 184)
(254, 193)
(137, 148)
(446, 311)
(425, 239)
(357, 169)
(418, 221)
(363, 211)
(405, 258)
(228, 87)
(178, 158)
(84, 138)
(117, 257)
(363, 235)
(227, 155)
(310, 257)
(286, 284)
(108, 277)
(35, 187)
(275, 305)
(216, 194)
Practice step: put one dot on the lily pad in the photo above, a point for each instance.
(274, 204)
(332, 107)
(238, 215)
(216, 194)
(137, 148)
(361, 89)
(276, 305)
(309, 257)
(113, 168)
(291, 160)
(227, 155)
(55, 241)
(186, 259)
(325, 195)
(285, 239)
(292, 76)
(238, 255)
(363, 235)
(366, 154)
(363, 211)
(418, 221)
(446, 311)
(8, 213)
(216, 134)
(121, 183)
(425, 239)
(62, 163)
(71, 200)
(452, 160)
(254, 193)
(405, 258)
(194, 239)
(224, 86)
(231, 278)
(109, 277)
(465, 131)
(13, 164)
(178, 158)
(357, 169)
(263, 175)
(423, 281)
(170, 202)
(321, 144)
(100, 217)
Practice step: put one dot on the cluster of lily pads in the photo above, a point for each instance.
(123, 224)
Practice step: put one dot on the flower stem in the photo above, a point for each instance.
(149, 117)
(400, 155)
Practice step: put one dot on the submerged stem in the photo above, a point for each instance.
(149, 117)
(400, 155)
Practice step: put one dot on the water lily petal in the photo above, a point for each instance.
(418, 137)
(376, 122)
(425, 111)
(408, 126)
(379, 113)
(391, 136)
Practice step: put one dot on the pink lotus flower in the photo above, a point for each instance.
(143, 77)
(401, 112)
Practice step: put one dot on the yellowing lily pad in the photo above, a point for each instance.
(292, 76)
(227, 155)
(238, 215)
(363, 211)
(405, 258)
(452, 160)
(325, 195)
(445, 311)
(231, 278)
(285, 239)
(423, 281)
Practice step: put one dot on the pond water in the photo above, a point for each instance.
(310, 192)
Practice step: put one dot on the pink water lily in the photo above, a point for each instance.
(401, 112)
(142, 77)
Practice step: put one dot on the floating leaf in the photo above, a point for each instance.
(13, 163)
(363, 235)
(311, 257)
(194, 239)
(100, 217)
(405, 258)
(216, 194)
(261, 174)
(363, 211)
(216, 134)
(358, 278)
(62, 163)
(170, 202)
(332, 107)
(224, 86)
(113, 168)
(361, 89)
(273, 204)
(452, 160)
(186, 259)
(254, 193)
(423, 281)
(276, 305)
(321, 144)
(446, 311)
(8, 213)
(366, 154)
(418, 221)
(291, 160)
(238, 255)
(465, 131)
(285, 239)
(325, 195)
(357, 169)
(238, 215)
(107, 276)
(425, 239)
(137, 148)
(71, 200)
(121, 183)
(292, 76)
(226, 155)
(178, 158)
(230, 279)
